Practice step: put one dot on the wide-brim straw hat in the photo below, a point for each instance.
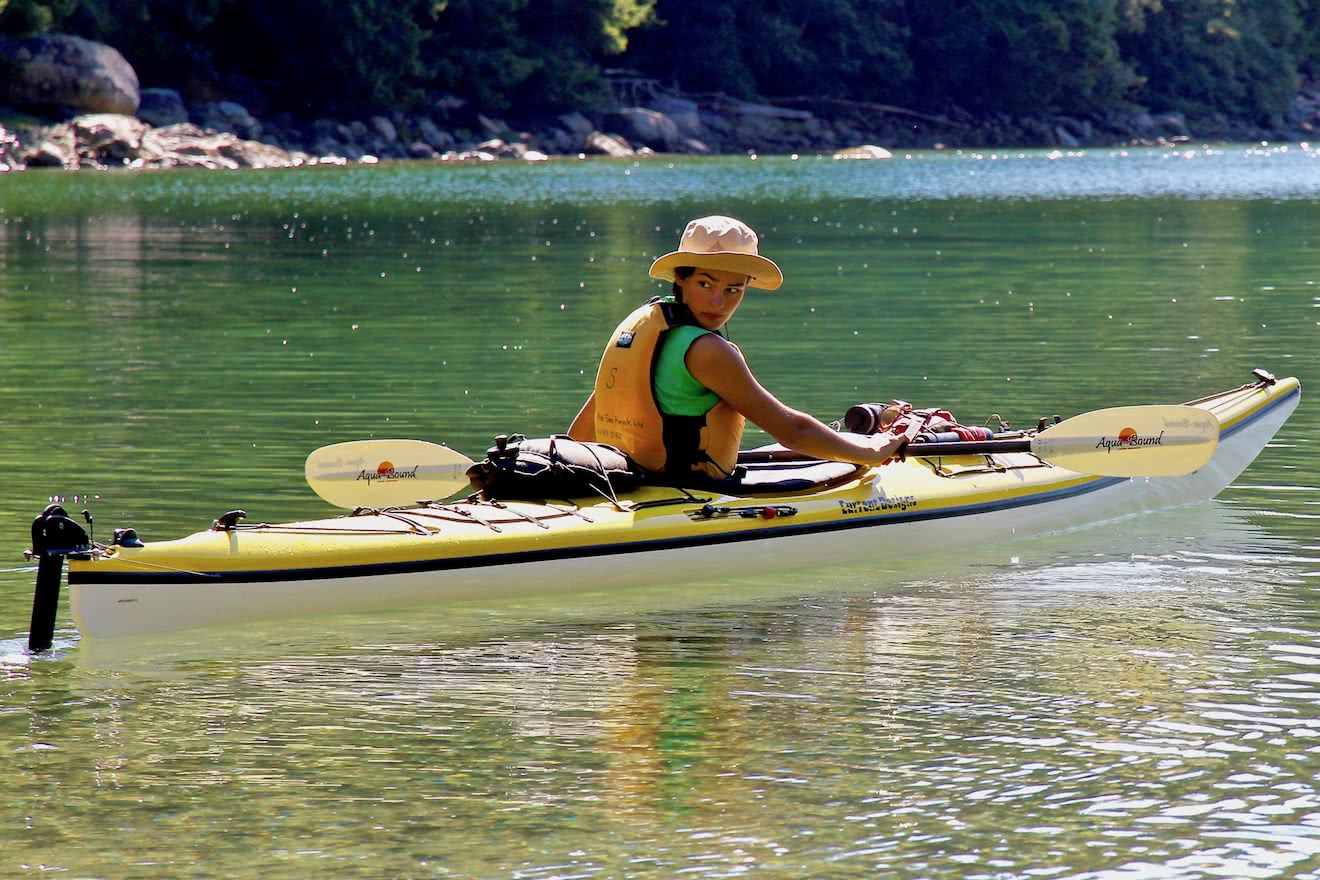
(721, 243)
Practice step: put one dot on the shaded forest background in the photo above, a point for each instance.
(1236, 59)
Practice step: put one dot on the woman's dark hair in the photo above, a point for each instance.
(680, 273)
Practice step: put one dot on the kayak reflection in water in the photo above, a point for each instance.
(674, 393)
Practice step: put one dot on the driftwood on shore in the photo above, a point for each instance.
(875, 108)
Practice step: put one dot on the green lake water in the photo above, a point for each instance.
(1138, 700)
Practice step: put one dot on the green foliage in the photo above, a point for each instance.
(166, 41)
(851, 49)
(1018, 55)
(311, 56)
(620, 17)
(1308, 42)
(24, 17)
(1217, 56)
(476, 52)
(322, 57)
(766, 48)
(327, 55)
(528, 54)
(701, 47)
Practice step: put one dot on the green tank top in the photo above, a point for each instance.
(677, 393)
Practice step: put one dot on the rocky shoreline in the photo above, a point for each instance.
(110, 123)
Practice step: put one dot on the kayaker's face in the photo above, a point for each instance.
(713, 295)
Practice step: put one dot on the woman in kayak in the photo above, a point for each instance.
(674, 393)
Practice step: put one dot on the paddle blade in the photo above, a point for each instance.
(1132, 441)
(385, 473)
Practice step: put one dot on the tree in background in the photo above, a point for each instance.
(700, 48)
(1239, 58)
(321, 57)
(1216, 56)
(532, 55)
(854, 49)
(168, 42)
(308, 56)
(1018, 55)
(1308, 46)
(23, 17)
(754, 49)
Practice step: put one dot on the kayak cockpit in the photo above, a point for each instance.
(755, 478)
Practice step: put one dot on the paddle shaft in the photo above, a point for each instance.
(966, 447)
(917, 450)
(1133, 441)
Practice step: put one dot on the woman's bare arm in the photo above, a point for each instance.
(719, 366)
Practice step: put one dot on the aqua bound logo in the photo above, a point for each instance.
(1128, 438)
(387, 471)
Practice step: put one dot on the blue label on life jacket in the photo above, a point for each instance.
(625, 339)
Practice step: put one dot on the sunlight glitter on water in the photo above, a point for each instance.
(1133, 701)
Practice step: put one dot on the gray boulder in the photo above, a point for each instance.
(557, 140)
(56, 152)
(110, 137)
(229, 116)
(433, 136)
(115, 140)
(864, 152)
(9, 149)
(57, 70)
(189, 145)
(602, 144)
(1171, 124)
(385, 129)
(161, 107)
(56, 147)
(685, 114)
(577, 125)
(493, 128)
(1080, 129)
(1066, 138)
(649, 127)
(92, 140)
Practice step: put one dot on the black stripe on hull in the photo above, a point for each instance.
(84, 578)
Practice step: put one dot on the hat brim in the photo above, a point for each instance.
(762, 273)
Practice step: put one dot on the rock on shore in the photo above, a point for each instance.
(104, 140)
(56, 70)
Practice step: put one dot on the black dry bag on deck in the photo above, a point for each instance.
(553, 467)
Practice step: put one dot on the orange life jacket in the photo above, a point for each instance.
(627, 415)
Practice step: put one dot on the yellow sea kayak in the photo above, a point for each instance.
(781, 515)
